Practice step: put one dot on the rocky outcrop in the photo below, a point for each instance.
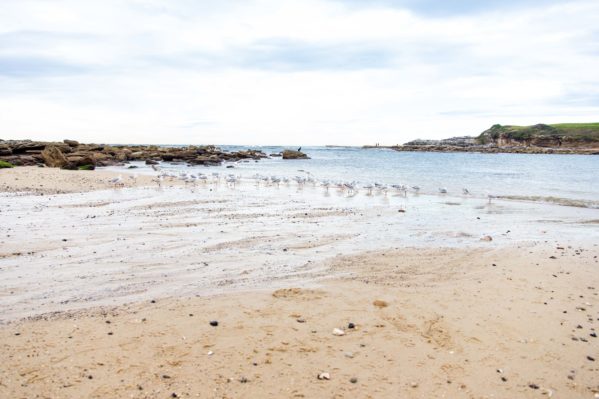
(71, 154)
(290, 154)
(571, 138)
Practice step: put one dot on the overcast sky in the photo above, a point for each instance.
(292, 72)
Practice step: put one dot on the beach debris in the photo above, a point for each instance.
(174, 395)
(210, 353)
(351, 326)
(380, 304)
(243, 380)
(414, 384)
(353, 380)
(324, 376)
(214, 323)
(166, 376)
(300, 320)
(339, 332)
(487, 238)
(349, 355)
(590, 358)
(533, 386)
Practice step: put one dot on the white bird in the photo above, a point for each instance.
(416, 188)
(231, 180)
(443, 190)
(116, 180)
(368, 187)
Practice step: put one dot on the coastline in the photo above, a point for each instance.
(109, 291)
(490, 149)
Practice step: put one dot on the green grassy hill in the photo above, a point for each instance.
(541, 134)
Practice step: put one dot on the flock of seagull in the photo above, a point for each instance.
(350, 188)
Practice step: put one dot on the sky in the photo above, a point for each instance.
(286, 72)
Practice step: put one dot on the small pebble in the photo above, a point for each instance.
(243, 380)
(353, 380)
(324, 376)
(338, 332)
(533, 386)
(214, 323)
(591, 358)
(300, 320)
(351, 326)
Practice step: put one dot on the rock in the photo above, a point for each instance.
(151, 162)
(71, 143)
(353, 380)
(487, 238)
(5, 149)
(338, 332)
(324, 376)
(214, 323)
(290, 154)
(351, 326)
(54, 157)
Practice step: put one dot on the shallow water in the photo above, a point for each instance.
(526, 175)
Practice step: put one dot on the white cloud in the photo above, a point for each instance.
(288, 72)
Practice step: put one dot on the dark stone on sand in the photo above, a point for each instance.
(243, 380)
(151, 162)
(214, 323)
(353, 380)
(351, 326)
(590, 358)
(533, 386)
(594, 335)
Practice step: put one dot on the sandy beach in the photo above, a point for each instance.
(111, 291)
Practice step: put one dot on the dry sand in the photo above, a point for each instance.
(497, 322)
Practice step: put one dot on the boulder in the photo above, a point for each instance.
(5, 149)
(53, 157)
(290, 154)
(71, 143)
(80, 159)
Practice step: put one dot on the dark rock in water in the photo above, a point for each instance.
(214, 323)
(290, 154)
(151, 162)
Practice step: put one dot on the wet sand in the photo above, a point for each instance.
(124, 309)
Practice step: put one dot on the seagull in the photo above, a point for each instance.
(416, 188)
(465, 191)
(368, 187)
(231, 180)
(443, 190)
(116, 180)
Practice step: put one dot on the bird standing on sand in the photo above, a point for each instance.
(465, 191)
(443, 190)
(117, 180)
